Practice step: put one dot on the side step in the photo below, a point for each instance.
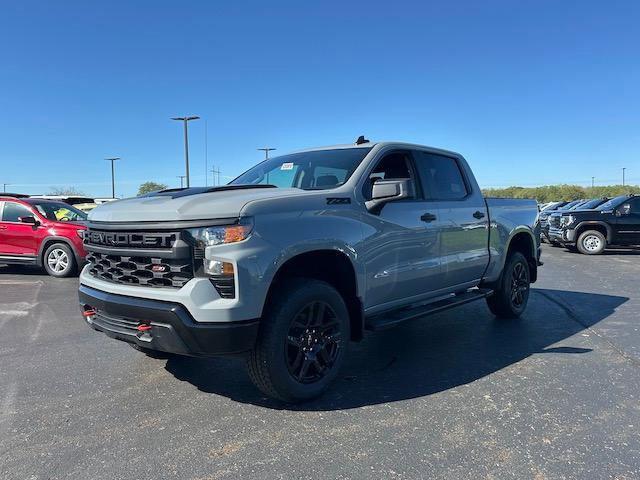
(390, 319)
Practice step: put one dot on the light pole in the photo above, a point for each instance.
(113, 177)
(4, 187)
(592, 181)
(266, 151)
(186, 120)
(623, 169)
(181, 177)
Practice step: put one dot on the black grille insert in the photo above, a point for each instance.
(139, 270)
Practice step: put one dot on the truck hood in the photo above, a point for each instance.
(187, 204)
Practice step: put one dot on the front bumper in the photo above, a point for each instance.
(163, 326)
(562, 235)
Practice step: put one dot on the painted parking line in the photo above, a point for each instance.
(21, 282)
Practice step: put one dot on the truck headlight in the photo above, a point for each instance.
(566, 220)
(203, 237)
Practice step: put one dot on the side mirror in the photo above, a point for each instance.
(623, 210)
(384, 191)
(29, 220)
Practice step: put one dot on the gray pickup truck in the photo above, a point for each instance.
(302, 254)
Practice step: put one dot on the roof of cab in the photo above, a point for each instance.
(379, 144)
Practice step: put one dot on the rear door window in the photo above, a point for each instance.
(13, 211)
(440, 176)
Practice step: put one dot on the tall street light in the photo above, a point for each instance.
(623, 169)
(186, 120)
(4, 187)
(266, 151)
(113, 177)
(181, 177)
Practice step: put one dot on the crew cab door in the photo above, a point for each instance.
(17, 238)
(400, 251)
(627, 223)
(464, 232)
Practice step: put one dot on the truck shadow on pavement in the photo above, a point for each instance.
(426, 356)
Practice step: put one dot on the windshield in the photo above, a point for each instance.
(316, 170)
(591, 204)
(553, 207)
(59, 212)
(569, 205)
(578, 205)
(613, 203)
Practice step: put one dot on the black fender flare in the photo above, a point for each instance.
(56, 239)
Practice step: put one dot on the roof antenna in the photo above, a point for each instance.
(361, 140)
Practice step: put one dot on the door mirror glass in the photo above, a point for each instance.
(29, 219)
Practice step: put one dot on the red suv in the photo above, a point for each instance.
(41, 232)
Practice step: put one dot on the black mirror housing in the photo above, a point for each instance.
(29, 219)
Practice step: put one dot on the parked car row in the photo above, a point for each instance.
(590, 226)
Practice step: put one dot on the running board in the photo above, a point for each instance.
(386, 320)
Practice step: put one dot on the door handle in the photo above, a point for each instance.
(478, 215)
(428, 217)
(2, 227)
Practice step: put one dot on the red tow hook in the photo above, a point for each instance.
(143, 327)
(88, 313)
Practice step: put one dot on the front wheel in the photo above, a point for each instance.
(59, 261)
(302, 342)
(591, 242)
(510, 299)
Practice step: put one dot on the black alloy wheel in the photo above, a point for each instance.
(313, 342)
(519, 284)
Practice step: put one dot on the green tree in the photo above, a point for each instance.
(148, 187)
(550, 193)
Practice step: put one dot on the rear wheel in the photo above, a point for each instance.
(302, 343)
(591, 242)
(510, 299)
(59, 261)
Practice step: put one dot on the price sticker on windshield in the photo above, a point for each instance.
(287, 166)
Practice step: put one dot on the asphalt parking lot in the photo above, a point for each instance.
(555, 394)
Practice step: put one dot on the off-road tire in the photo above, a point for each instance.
(516, 273)
(268, 363)
(591, 242)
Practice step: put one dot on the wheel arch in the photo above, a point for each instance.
(523, 241)
(50, 240)
(333, 266)
(601, 227)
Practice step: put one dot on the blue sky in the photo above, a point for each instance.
(531, 92)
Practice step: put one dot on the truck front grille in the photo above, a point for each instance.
(554, 221)
(138, 270)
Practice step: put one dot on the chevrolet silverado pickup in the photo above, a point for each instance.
(302, 254)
